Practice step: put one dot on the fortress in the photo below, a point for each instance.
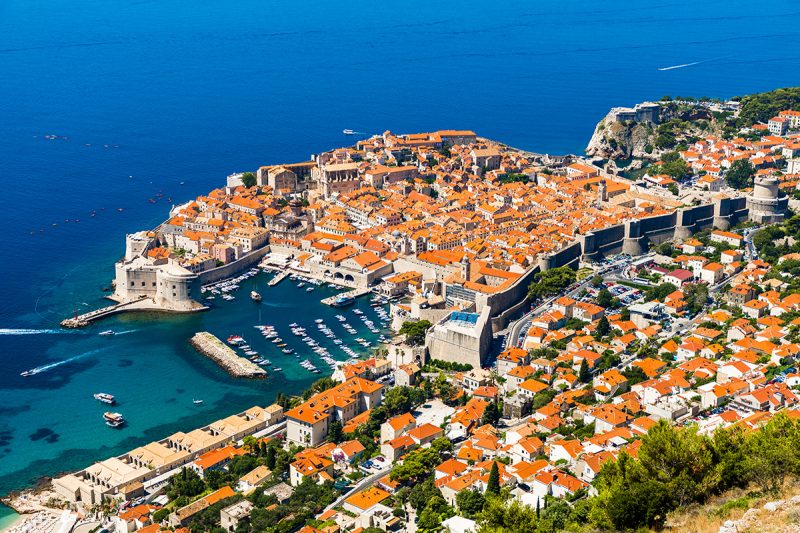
(456, 339)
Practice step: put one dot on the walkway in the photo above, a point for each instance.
(355, 293)
(277, 279)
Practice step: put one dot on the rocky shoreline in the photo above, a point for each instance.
(213, 348)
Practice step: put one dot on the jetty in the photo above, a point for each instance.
(277, 279)
(216, 350)
(355, 293)
(81, 321)
(141, 304)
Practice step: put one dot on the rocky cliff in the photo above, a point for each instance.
(679, 122)
(620, 140)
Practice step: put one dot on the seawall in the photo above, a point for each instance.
(213, 348)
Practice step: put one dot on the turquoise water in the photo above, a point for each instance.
(145, 95)
(7, 517)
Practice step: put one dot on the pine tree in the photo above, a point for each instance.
(493, 485)
(584, 375)
(603, 328)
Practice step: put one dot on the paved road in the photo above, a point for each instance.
(363, 483)
(517, 329)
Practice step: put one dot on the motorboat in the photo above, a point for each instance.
(104, 397)
(255, 296)
(113, 420)
(107, 333)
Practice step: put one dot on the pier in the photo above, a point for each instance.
(216, 350)
(80, 321)
(142, 304)
(277, 279)
(355, 293)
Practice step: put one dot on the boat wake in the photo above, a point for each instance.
(50, 366)
(673, 67)
(125, 332)
(13, 331)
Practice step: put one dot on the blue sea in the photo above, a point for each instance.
(105, 105)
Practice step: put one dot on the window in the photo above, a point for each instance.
(143, 284)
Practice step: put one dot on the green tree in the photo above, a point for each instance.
(740, 175)
(491, 415)
(493, 485)
(772, 453)
(551, 282)
(248, 179)
(270, 457)
(696, 296)
(335, 434)
(641, 503)
(421, 493)
(584, 375)
(659, 292)
(604, 298)
(415, 331)
(603, 328)
(160, 515)
(470, 502)
(501, 517)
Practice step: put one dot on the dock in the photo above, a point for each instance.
(143, 304)
(80, 321)
(277, 279)
(216, 350)
(355, 293)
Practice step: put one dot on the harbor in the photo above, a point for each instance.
(209, 345)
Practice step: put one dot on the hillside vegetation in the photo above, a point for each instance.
(684, 120)
(675, 468)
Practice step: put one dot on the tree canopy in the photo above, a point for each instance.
(551, 282)
(763, 106)
(248, 179)
(415, 331)
(741, 173)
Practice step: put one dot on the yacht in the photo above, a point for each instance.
(348, 131)
(29, 373)
(255, 296)
(107, 333)
(114, 420)
(197, 402)
(235, 340)
(342, 301)
(104, 397)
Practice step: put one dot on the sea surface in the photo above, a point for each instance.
(152, 103)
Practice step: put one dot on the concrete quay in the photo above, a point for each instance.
(216, 350)
(355, 293)
(142, 304)
(277, 279)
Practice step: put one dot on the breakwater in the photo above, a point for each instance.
(213, 348)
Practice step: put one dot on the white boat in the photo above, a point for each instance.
(29, 373)
(107, 333)
(255, 296)
(104, 397)
(114, 420)
(197, 402)
(348, 131)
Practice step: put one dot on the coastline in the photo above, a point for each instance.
(10, 518)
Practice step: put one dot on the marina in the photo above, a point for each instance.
(237, 366)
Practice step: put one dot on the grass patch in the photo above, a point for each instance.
(738, 503)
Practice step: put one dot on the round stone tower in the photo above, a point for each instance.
(766, 204)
